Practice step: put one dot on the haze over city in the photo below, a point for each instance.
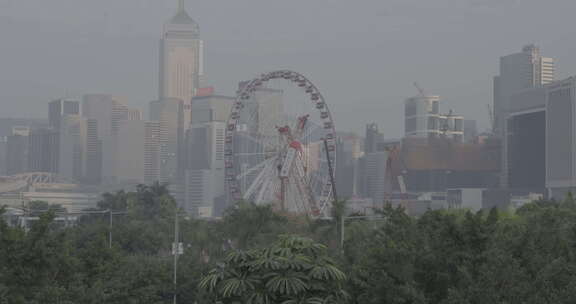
(284, 152)
(363, 55)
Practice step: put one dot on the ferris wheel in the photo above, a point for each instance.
(277, 153)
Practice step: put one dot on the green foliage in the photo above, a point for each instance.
(248, 224)
(293, 270)
(255, 255)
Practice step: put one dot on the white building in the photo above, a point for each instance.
(470, 199)
(519, 71)
(423, 119)
(181, 57)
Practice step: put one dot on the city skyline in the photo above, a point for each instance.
(394, 29)
(257, 151)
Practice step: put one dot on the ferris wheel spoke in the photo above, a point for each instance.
(263, 192)
(257, 183)
(253, 169)
(262, 142)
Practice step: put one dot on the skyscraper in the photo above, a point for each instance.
(519, 71)
(267, 104)
(59, 108)
(373, 139)
(170, 114)
(138, 154)
(72, 143)
(181, 57)
(524, 155)
(93, 173)
(17, 153)
(205, 174)
(107, 111)
(348, 149)
(43, 150)
(211, 108)
(560, 138)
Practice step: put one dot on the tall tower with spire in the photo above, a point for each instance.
(181, 67)
(181, 57)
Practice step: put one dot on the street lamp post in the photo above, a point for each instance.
(111, 214)
(177, 249)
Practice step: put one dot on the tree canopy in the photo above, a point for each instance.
(256, 255)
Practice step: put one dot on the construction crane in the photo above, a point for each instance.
(395, 159)
(421, 91)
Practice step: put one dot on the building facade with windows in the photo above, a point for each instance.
(561, 138)
(423, 119)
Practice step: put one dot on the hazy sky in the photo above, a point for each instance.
(363, 55)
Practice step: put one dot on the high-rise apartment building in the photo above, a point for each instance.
(60, 108)
(519, 71)
(181, 57)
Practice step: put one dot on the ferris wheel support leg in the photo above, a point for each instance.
(283, 194)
